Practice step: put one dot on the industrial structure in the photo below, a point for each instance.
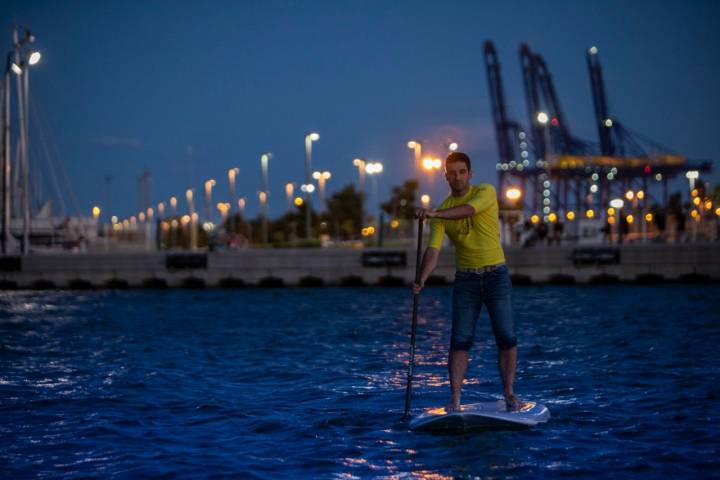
(550, 174)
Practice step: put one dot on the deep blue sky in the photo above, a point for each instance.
(126, 85)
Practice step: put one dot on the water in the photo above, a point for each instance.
(309, 383)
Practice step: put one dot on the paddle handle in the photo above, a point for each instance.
(413, 329)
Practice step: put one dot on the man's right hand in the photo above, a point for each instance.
(416, 287)
(423, 213)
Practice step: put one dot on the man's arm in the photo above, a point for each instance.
(429, 262)
(453, 213)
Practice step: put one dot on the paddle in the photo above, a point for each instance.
(416, 297)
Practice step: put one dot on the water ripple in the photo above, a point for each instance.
(310, 383)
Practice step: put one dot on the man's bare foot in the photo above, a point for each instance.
(512, 402)
(453, 407)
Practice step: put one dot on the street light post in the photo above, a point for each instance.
(209, 184)
(321, 178)
(6, 158)
(416, 147)
(289, 190)
(193, 219)
(232, 173)
(360, 164)
(375, 169)
(618, 204)
(309, 139)
(23, 60)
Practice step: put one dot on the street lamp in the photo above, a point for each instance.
(149, 213)
(24, 58)
(264, 159)
(617, 204)
(192, 218)
(263, 208)
(321, 178)
(416, 147)
(232, 173)
(209, 184)
(289, 190)
(374, 169)
(360, 164)
(309, 139)
(6, 154)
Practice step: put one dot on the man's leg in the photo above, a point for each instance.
(499, 303)
(507, 361)
(466, 310)
(457, 365)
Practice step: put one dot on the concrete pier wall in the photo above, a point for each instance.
(314, 267)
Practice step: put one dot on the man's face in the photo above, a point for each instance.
(458, 176)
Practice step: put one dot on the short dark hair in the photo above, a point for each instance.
(458, 157)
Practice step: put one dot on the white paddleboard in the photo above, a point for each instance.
(481, 415)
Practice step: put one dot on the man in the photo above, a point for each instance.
(469, 216)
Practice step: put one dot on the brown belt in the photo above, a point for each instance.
(486, 269)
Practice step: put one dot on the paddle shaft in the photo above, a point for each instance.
(416, 298)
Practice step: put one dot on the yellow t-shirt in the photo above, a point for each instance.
(477, 238)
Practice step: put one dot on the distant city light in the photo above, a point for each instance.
(630, 219)
(629, 194)
(453, 146)
(589, 213)
(608, 122)
(570, 215)
(640, 194)
(542, 117)
(552, 217)
(593, 50)
(298, 201)
(534, 219)
(617, 203)
(593, 188)
(513, 193)
(96, 212)
(648, 217)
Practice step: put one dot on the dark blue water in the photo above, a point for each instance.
(310, 383)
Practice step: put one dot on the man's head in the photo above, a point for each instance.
(458, 172)
(458, 157)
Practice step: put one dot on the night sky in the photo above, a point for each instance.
(127, 85)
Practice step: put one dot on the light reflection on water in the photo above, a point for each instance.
(311, 383)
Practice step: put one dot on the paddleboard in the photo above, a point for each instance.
(483, 415)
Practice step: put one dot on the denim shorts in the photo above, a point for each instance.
(473, 290)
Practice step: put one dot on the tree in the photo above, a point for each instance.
(344, 213)
(402, 201)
